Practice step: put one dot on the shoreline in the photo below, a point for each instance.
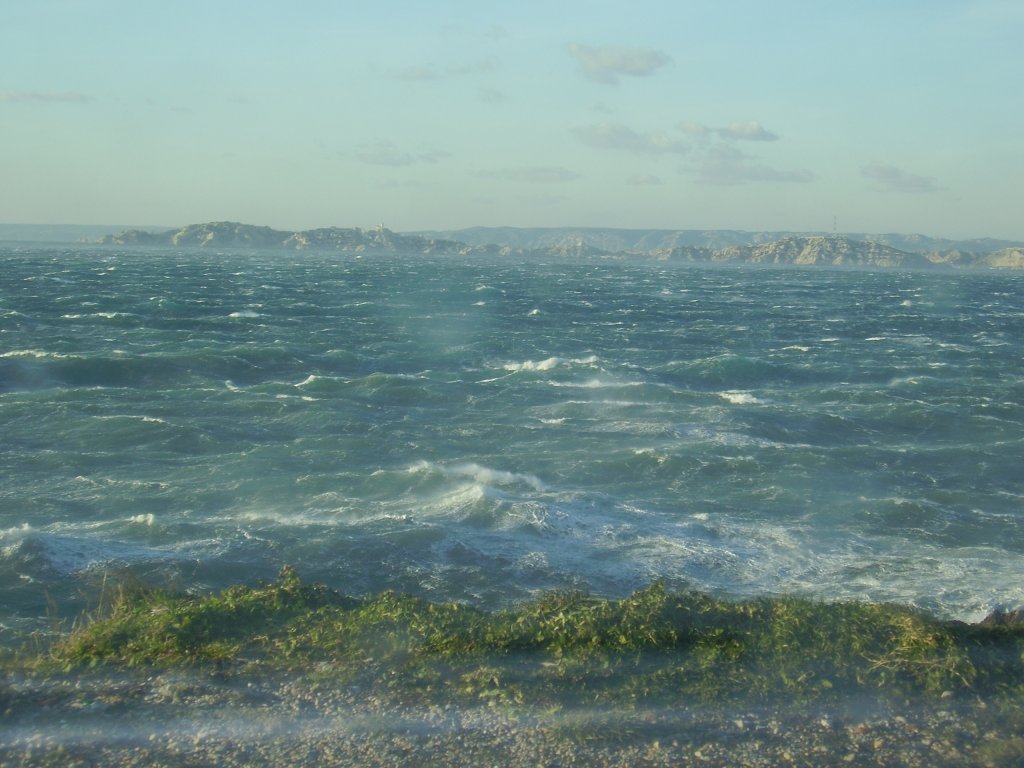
(191, 718)
(288, 673)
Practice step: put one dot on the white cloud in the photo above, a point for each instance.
(606, 63)
(541, 174)
(618, 136)
(388, 153)
(896, 180)
(48, 97)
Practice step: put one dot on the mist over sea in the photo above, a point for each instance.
(482, 429)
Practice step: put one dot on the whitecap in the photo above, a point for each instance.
(245, 313)
(39, 354)
(105, 315)
(551, 363)
(485, 476)
(532, 365)
(10, 538)
(595, 384)
(737, 397)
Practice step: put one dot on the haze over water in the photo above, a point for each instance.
(482, 429)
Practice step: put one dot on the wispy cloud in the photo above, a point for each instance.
(743, 131)
(388, 153)
(644, 180)
(473, 67)
(717, 160)
(712, 154)
(696, 130)
(896, 180)
(493, 33)
(724, 164)
(415, 73)
(44, 97)
(539, 174)
(607, 135)
(748, 131)
(424, 72)
(607, 63)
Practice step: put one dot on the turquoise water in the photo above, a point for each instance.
(480, 430)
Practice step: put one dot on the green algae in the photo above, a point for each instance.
(653, 647)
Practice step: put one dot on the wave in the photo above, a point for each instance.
(69, 554)
(551, 363)
(104, 315)
(483, 475)
(383, 389)
(609, 430)
(37, 354)
(738, 372)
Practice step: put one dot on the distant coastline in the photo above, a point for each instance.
(688, 246)
(64, 233)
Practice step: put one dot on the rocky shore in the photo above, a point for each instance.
(189, 718)
(293, 674)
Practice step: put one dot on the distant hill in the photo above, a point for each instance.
(1007, 258)
(229, 234)
(712, 246)
(831, 251)
(938, 250)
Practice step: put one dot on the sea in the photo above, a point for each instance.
(483, 429)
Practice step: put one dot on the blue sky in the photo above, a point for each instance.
(881, 116)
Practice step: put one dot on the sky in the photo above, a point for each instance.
(799, 115)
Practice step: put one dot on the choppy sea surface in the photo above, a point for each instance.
(484, 429)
